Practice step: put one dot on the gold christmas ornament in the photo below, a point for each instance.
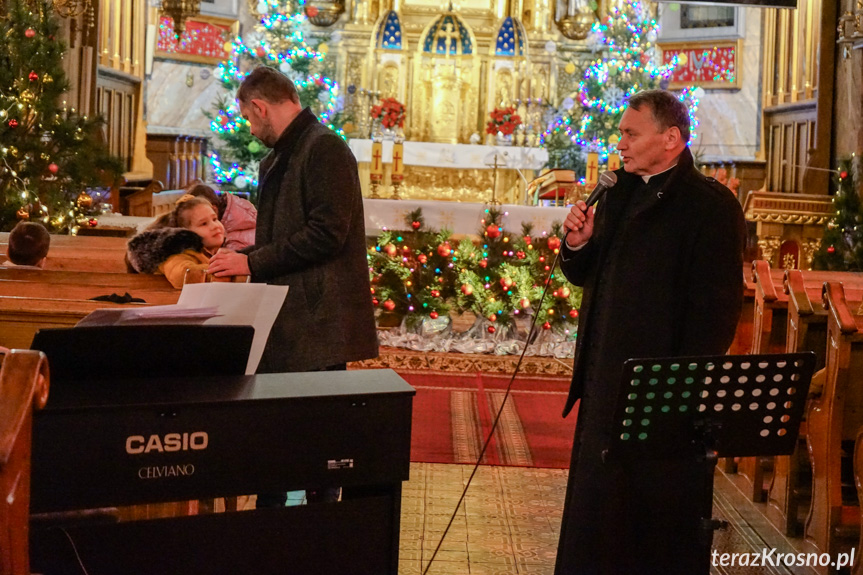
(13, 151)
(47, 79)
(84, 201)
(27, 95)
(3, 114)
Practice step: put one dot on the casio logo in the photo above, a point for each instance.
(197, 440)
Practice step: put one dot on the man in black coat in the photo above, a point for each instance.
(310, 234)
(660, 261)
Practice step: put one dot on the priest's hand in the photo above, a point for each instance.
(578, 225)
(229, 263)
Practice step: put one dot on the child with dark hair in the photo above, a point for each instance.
(239, 216)
(28, 245)
(183, 240)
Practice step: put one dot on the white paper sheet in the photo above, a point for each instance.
(257, 305)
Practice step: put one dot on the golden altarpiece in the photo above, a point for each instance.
(450, 64)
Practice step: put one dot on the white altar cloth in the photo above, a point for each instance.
(458, 217)
(456, 156)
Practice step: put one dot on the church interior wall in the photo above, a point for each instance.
(847, 101)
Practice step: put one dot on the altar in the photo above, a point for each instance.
(455, 172)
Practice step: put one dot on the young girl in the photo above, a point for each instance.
(183, 240)
(239, 216)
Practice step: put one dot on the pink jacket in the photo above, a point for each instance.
(239, 219)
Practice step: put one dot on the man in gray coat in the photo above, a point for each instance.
(660, 260)
(310, 234)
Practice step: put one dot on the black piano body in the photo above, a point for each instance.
(123, 442)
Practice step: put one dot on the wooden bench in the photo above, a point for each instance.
(806, 331)
(81, 253)
(35, 299)
(24, 386)
(833, 417)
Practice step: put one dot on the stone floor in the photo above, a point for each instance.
(510, 519)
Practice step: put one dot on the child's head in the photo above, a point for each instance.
(200, 216)
(205, 191)
(28, 244)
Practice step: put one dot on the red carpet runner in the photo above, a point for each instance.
(453, 413)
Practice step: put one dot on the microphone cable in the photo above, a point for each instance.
(500, 409)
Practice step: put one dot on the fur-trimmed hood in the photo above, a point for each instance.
(149, 249)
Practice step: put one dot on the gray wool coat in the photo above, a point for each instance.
(311, 236)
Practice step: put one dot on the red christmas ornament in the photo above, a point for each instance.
(573, 313)
(563, 292)
(466, 289)
(553, 243)
(492, 231)
(13, 123)
(433, 315)
(483, 263)
(93, 222)
(422, 258)
(415, 225)
(311, 11)
(53, 168)
(520, 255)
(492, 318)
(29, 32)
(390, 250)
(389, 305)
(505, 283)
(528, 240)
(375, 301)
(406, 249)
(524, 302)
(831, 249)
(491, 329)
(260, 52)
(444, 249)
(33, 76)
(435, 293)
(843, 174)
(546, 325)
(223, 120)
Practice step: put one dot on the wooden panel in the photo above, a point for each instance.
(116, 101)
(790, 138)
(178, 160)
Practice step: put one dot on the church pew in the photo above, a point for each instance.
(24, 386)
(19, 288)
(81, 253)
(833, 417)
(770, 335)
(806, 331)
(21, 317)
(767, 316)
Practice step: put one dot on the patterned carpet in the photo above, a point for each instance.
(453, 415)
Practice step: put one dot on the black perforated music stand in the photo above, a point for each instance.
(707, 407)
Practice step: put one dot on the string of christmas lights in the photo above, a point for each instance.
(279, 41)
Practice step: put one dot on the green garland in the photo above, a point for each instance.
(419, 273)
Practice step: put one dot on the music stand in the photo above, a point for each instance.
(706, 407)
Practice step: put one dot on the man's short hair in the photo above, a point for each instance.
(667, 110)
(268, 84)
(28, 243)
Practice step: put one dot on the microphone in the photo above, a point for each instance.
(606, 180)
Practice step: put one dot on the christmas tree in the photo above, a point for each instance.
(279, 41)
(842, 244)
(587, 118)
(50, 155)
